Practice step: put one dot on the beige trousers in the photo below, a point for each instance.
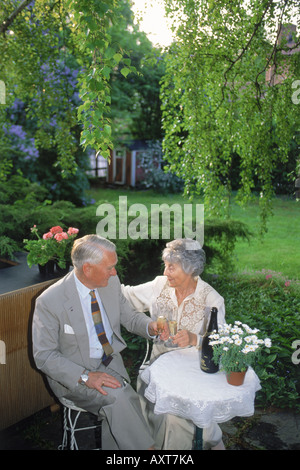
(124, 426)
(171, 432)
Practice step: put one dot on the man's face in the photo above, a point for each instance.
(99, 274)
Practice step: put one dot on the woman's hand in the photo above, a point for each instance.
(185, 338)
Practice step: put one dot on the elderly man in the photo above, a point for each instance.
(77, 343)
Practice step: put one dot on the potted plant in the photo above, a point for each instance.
(235, 348)
(54, 246)
(62, 243)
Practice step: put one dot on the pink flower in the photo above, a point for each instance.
(56, 229)
(73, 231)
(47, 235)
(268, 276)
(287, 283)
(61, 236)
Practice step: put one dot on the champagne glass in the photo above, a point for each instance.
(161, 322)
(172, 324)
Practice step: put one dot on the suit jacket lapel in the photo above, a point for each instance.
(111, 305)
(74, 311)
(105, 297)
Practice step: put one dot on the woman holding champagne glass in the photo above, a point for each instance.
(181, 296)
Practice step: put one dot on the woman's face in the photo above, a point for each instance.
(175, 274)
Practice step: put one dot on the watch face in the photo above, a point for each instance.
(84, 377)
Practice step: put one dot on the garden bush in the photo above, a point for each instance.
(271, 304)
(139, 259)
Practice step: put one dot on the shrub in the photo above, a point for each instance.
(7, 247)
(156, 174)
(17, 188)
(274, 308)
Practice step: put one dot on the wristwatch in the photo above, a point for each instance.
(84, 377)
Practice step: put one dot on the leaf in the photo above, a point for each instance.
(125, 71)
(107, 130)
(272, 358)
(106, 72)
(117, 57)
(109, 53)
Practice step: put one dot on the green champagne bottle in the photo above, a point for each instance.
(207, 362)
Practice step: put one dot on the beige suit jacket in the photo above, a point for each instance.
(60, 337)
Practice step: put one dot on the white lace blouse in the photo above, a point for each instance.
(192, 314)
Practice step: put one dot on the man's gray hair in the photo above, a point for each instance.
(89, 249)
(187, 253)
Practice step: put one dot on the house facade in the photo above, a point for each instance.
(125, 167)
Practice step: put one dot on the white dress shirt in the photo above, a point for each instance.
(96, 350)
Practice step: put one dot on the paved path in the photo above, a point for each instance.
(265, 430)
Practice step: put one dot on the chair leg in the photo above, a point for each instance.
(70, 418)
(72, 427)
(65, 430)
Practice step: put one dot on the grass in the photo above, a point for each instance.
(277, 252)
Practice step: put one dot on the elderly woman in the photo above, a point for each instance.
(182, 290)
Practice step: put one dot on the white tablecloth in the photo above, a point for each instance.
(176, 385)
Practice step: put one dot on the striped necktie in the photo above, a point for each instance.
(96, 313)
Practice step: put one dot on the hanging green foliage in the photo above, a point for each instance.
(228, 94)
(92, 20)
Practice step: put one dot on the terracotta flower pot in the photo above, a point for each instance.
(236, 378)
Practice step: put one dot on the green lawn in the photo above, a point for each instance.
(278, 251)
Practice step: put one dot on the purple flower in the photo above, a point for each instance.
(21, 142)
(18, 131)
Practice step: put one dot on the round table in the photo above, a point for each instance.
(176, 385)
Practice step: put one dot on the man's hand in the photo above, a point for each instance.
(98, 380)
(152, 329)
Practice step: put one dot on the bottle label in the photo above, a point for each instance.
(207, 365)
(203, 363)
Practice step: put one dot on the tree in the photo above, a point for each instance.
(37, 42)
(78, 70)
(135, 101)
(216, 100)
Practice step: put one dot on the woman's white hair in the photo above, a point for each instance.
(187, 253)
(89, 249)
